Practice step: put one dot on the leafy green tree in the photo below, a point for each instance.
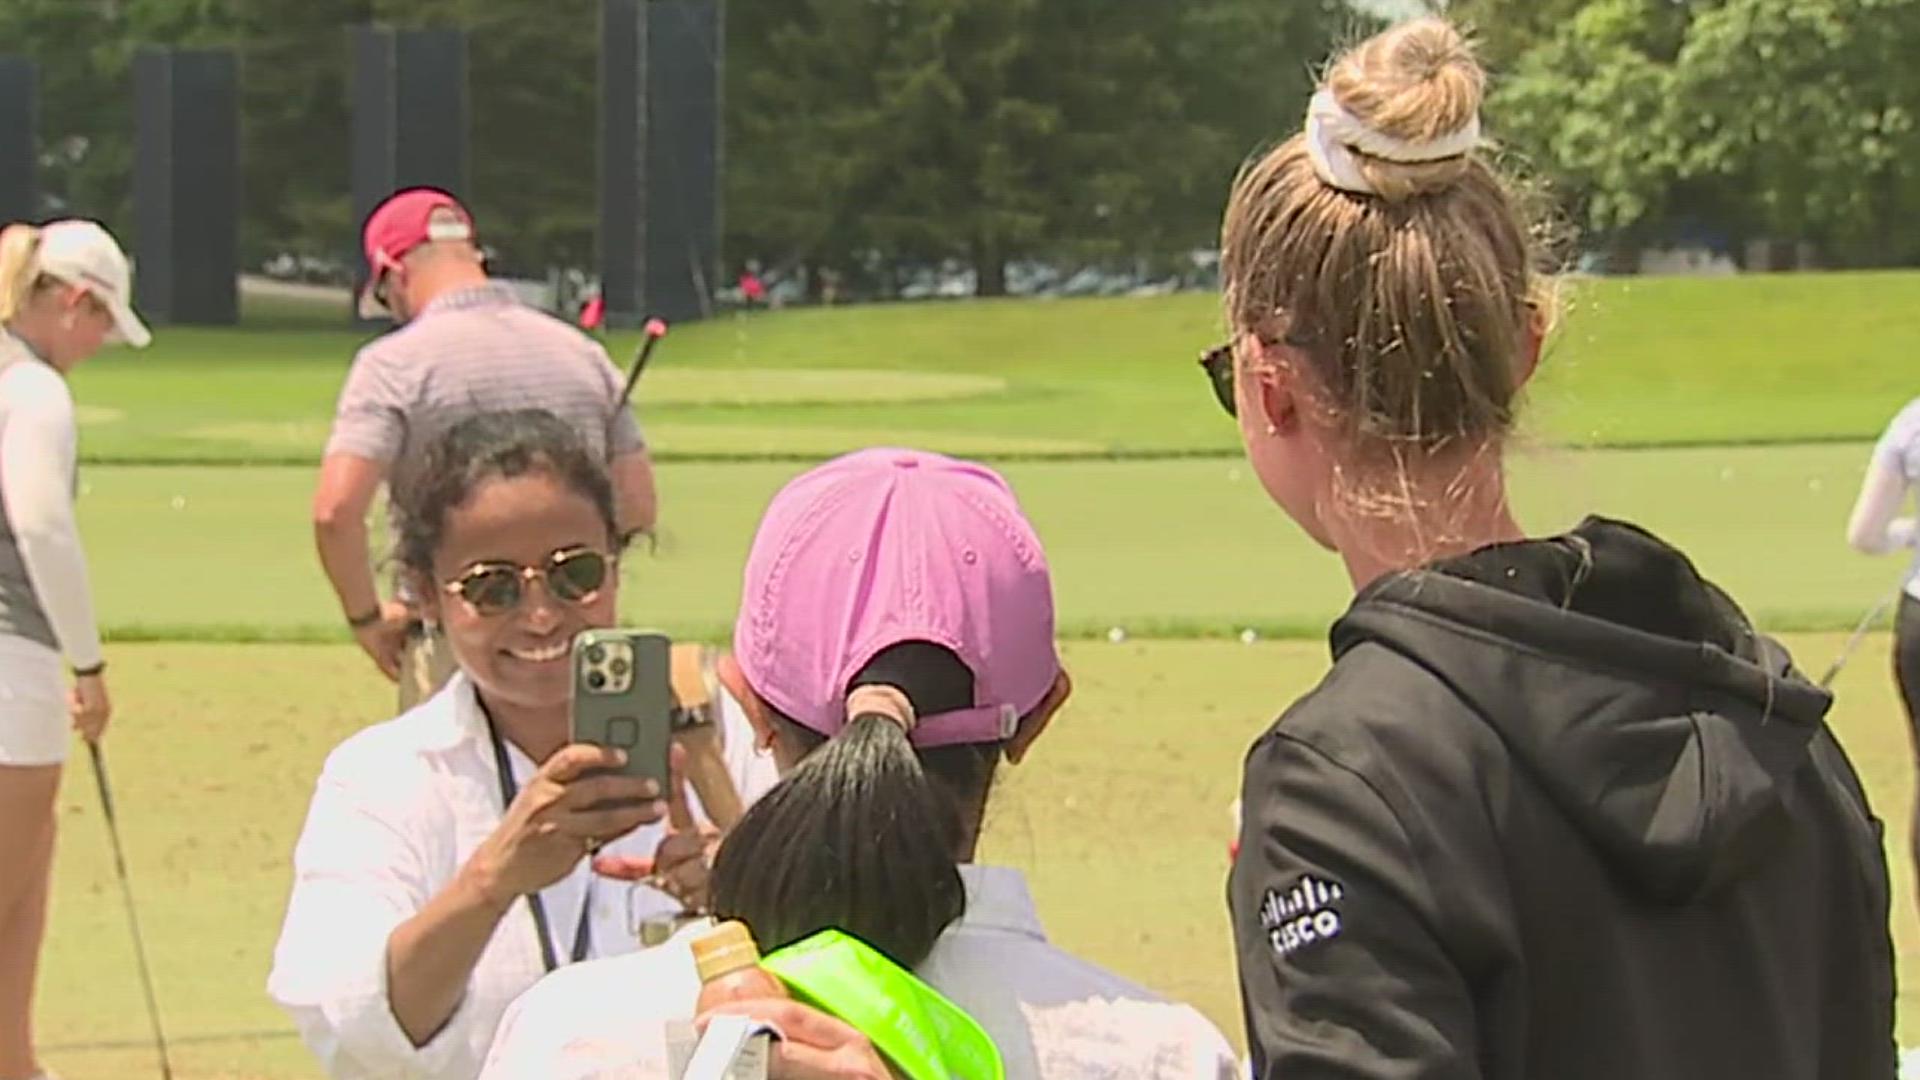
(989, 130)
(1800, 118)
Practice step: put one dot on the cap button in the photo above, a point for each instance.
(906, 461)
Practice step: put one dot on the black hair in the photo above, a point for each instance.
(488, 446)
(863, 835)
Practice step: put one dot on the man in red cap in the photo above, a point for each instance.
(464, 345)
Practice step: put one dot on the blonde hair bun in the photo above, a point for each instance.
(1389, 255)
(1417, 84)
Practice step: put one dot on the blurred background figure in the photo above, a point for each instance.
(65, 291)
(464, 345)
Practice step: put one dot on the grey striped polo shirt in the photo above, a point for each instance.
(472, 351)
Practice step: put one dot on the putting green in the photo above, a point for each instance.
(1773, 358)
(215, 749)
(87, 415)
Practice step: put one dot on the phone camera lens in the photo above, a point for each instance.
(596, 681)
(618, 667)
(595, 654)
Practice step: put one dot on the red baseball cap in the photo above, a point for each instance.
(403, 222)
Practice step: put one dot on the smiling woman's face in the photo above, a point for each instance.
(519, 657)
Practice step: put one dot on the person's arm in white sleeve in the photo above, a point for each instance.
(1874, 528)
(37, 450)
(359, 879)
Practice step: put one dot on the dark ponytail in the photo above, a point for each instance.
(864, 835)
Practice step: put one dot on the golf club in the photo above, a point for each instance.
(133, 917)
(656, 329)
(1859, 633)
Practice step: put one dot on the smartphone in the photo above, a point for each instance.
(623, 697)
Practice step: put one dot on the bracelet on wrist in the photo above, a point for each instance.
(89, 672)
(361, 622)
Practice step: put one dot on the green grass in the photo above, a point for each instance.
(217, 743)
(216, 748)
(1640, 361)
(1167, 548)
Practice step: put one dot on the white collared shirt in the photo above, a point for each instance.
(1053, 1016)
(398, 808)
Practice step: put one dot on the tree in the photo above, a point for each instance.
(532, 102)
(1801, 119)
(1757, 118)
(1590, 107)
(85, 129)
(1509, 29)
(988, 130)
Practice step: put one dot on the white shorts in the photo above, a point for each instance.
(33, 704)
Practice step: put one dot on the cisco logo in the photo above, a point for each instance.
(1307, 914)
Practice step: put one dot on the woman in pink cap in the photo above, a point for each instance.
(65, 292)
(894, 645)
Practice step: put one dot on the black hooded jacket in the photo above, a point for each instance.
(1558, 813)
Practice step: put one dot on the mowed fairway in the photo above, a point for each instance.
(1176, 548)
(1120, 817)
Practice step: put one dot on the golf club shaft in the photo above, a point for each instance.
(1859, 633)
(639, 366)
(133, 916)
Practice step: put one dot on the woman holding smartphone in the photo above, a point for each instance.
(444, 864)
(65, 291)
(894, 649)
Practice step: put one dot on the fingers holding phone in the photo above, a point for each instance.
(681, 865)
(575, 802)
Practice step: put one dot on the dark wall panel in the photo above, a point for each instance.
(410, 114)
(660, 70)
(19, 114)
(186, 185)
(623, 175)
(683, 156)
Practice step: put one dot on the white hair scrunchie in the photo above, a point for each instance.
(1334, 134)
(888, 701)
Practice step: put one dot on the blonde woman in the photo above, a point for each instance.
(65, 291)
(1557, 810)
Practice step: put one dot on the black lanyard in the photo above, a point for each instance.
(583, 933)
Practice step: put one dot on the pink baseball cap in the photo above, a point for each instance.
(403, 222)
(887, 546)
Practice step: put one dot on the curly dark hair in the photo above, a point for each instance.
(487, 446)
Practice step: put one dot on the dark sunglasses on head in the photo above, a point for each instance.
(1217, 362)
(573, 575)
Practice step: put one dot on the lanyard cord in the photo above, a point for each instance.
(582, 932)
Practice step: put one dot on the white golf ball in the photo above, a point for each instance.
(1117, 635)
(1814, 484)
(179, 502)
(1249, 636)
